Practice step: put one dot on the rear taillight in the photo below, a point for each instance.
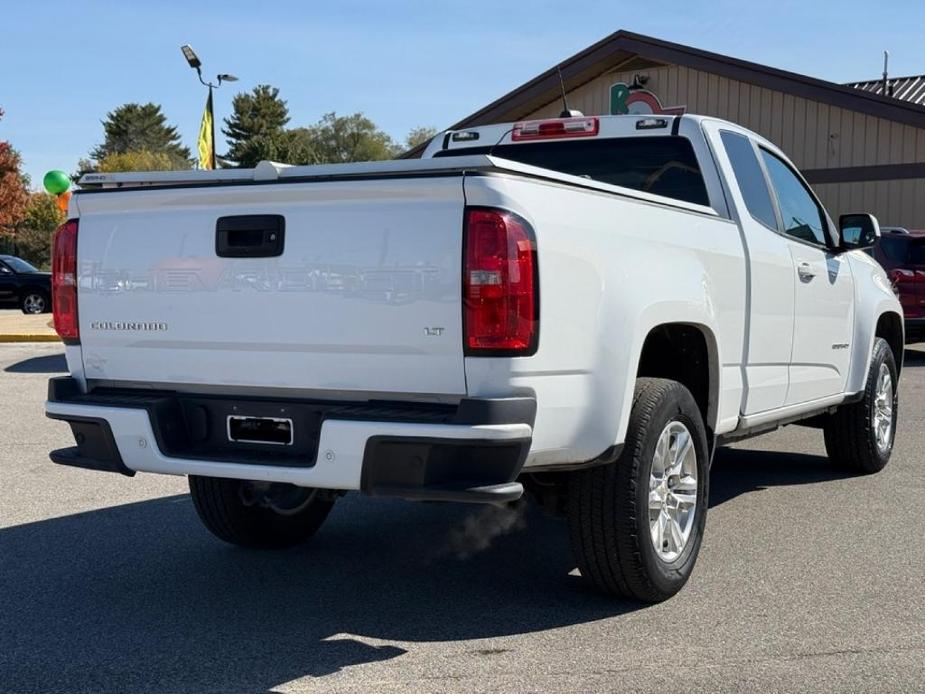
(500, 284)
(64, 281)
(555, 128)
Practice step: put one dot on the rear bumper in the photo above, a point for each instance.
(472, 451)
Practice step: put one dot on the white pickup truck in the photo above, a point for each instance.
(584, 307)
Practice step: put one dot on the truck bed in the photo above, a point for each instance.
(362, 298)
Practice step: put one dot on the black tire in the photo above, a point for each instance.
(608, 508)
(222, 508)
(850, 436)
(33, 299)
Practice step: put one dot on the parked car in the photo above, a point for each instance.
(901, 252)
(583, 307)
(21, 283)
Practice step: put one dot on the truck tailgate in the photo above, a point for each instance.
(365, 296)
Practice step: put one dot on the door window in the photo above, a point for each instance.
(801, 216)
(749, 177)
(917, 252)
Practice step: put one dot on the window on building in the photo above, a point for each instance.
(749, 177)
(659, 165)
(799, 211)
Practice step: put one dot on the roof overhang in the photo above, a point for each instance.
(626, 51)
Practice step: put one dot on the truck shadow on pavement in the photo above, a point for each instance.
(139, 597)
(47, 364)
(738, 471)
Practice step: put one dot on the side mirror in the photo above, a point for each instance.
(857, 231)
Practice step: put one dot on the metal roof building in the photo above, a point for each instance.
(910, 89)
(861, 151)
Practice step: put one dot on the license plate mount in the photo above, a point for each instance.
(274, 431)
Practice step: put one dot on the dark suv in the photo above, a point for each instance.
(902, 254)
(22, 283)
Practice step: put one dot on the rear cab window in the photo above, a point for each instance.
(663, 165)
(750, 177)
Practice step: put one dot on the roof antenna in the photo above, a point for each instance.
(886, 82)
(566, 111)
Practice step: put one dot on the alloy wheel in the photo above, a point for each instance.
(672, 491)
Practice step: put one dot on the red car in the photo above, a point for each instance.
(902, 254)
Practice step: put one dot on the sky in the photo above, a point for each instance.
(403, 63)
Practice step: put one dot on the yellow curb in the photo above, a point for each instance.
(30, 337)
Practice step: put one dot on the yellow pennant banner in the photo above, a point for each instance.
(206, 143)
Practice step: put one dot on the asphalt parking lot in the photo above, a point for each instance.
(808, 580)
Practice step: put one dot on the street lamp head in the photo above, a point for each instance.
(225, 77)
(190, 56)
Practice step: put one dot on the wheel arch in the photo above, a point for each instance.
(890, 328)
(878, 313)
(686, 352)
(887, 323)
(26, 289)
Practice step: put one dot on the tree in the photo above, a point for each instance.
(339, 139)
(255, 128)
(136, 127)
(42, 212)
(138, 160)
(298, 147)
(33, 238)
(418, 136)
(14, 194)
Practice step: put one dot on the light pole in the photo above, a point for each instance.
(196, 64)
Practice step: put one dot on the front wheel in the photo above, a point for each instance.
(259, 514)
(859, 436)
(636, 524)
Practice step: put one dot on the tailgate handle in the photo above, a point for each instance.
(250, 236)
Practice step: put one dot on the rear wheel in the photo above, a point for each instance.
(860, 436)
(34, 301)
(636, 525)
(259, 514)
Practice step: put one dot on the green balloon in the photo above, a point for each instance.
(56, 182)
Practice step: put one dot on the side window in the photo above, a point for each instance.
(895, 249)
(917, 252)
(799, 212)
(749, 177)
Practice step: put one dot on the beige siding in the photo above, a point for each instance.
(814, 135)
(894, 203)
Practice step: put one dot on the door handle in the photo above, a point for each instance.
(805, 271)
(250, 236)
